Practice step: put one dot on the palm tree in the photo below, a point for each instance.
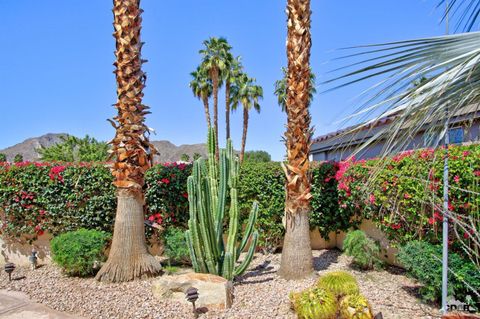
(202, 89)
(281, 89)
(215, 55)
(296, 261)
(246, 93)
(128, 258)
(444, 72)
(231, 75)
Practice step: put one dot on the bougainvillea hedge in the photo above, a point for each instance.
(404, 198)
(39, 197)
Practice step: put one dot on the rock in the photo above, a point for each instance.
(214, 292)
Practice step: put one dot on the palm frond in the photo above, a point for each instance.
(465, 12)
(450, 85)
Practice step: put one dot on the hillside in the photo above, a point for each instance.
(169, 152)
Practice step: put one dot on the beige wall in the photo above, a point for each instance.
(18, 252)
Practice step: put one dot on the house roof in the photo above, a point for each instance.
(356, 134)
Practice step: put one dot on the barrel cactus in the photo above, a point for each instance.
(340, 283)
(355, 306)
(207, 188)
(314, 303)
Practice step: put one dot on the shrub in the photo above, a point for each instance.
(264, 183)
(423, 261)
(176, 246)
(364, 250)
(340, 283)
(3, 157)
(74, 149)
(257, 156)
(18, 158)
(77, 251)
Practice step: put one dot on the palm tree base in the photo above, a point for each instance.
(129, 258)
(297, 259)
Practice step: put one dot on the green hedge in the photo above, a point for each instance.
(38, 197)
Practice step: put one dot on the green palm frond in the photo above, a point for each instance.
(450, 85)
(465, 12)
(281, 89)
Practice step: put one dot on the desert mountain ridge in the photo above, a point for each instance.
(169, 152)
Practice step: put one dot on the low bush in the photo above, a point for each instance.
(423, 261)
(176, 248)
(76, 252)
(363, 249)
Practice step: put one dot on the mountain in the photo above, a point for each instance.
(169, 152)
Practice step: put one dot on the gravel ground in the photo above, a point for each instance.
(259, 293)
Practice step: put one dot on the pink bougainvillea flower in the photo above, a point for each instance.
(431, 220)
(396, 226)
(165, 181)
(407, 196)
(372, 199)
(151, 218)
(477, 173)
(456, 179)
(185, 195)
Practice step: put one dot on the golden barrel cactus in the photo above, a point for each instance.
(340, 283)
(355, 307)
(314, 303)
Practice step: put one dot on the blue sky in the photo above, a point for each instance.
(56, 62)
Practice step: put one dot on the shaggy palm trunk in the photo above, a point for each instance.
(297, 258)
(244, 134)
(215, 109)
(227, 107)
(129, 258)
(207, 110)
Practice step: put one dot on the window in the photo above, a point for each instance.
(455, 135)
(430, 139)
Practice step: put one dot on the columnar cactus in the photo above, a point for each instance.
(208, 187)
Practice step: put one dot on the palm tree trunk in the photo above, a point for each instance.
(215, 109)
(227, 107)
(129, 258)
(207, 110)
(244, 135)
(297, 258)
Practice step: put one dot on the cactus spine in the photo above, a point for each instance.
(207, 188)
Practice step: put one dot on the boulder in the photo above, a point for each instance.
(214, 292)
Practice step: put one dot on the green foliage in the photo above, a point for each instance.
(257, 156)
(364, 250)
(39, 197)
(170, 270)
(175, 246)
(185, 158)
(339, 283)
(263, 183)
(314, 303)
(18, 158)
(281, 89)
(327, 215)
(207, 193)
(3, 157)
(355, 306)
(76, 252)
(423, 261)
(74, 149)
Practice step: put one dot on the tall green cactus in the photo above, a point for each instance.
(208, 187)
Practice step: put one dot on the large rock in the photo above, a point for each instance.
(214, 292)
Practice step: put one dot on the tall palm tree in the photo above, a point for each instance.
(246, 93)
(281, 89)
(215, 55)
(129, 258)
(202, 89)
(296, 261)
(231, 75)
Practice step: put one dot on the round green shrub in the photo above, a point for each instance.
(176, 248)
(363, 249)
(77, 251)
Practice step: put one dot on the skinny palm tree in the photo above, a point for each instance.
(231, 76)
(215, 54)
(128, 258)
(202, 89)
(297, 260)
(246, 93)
(281, 89)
